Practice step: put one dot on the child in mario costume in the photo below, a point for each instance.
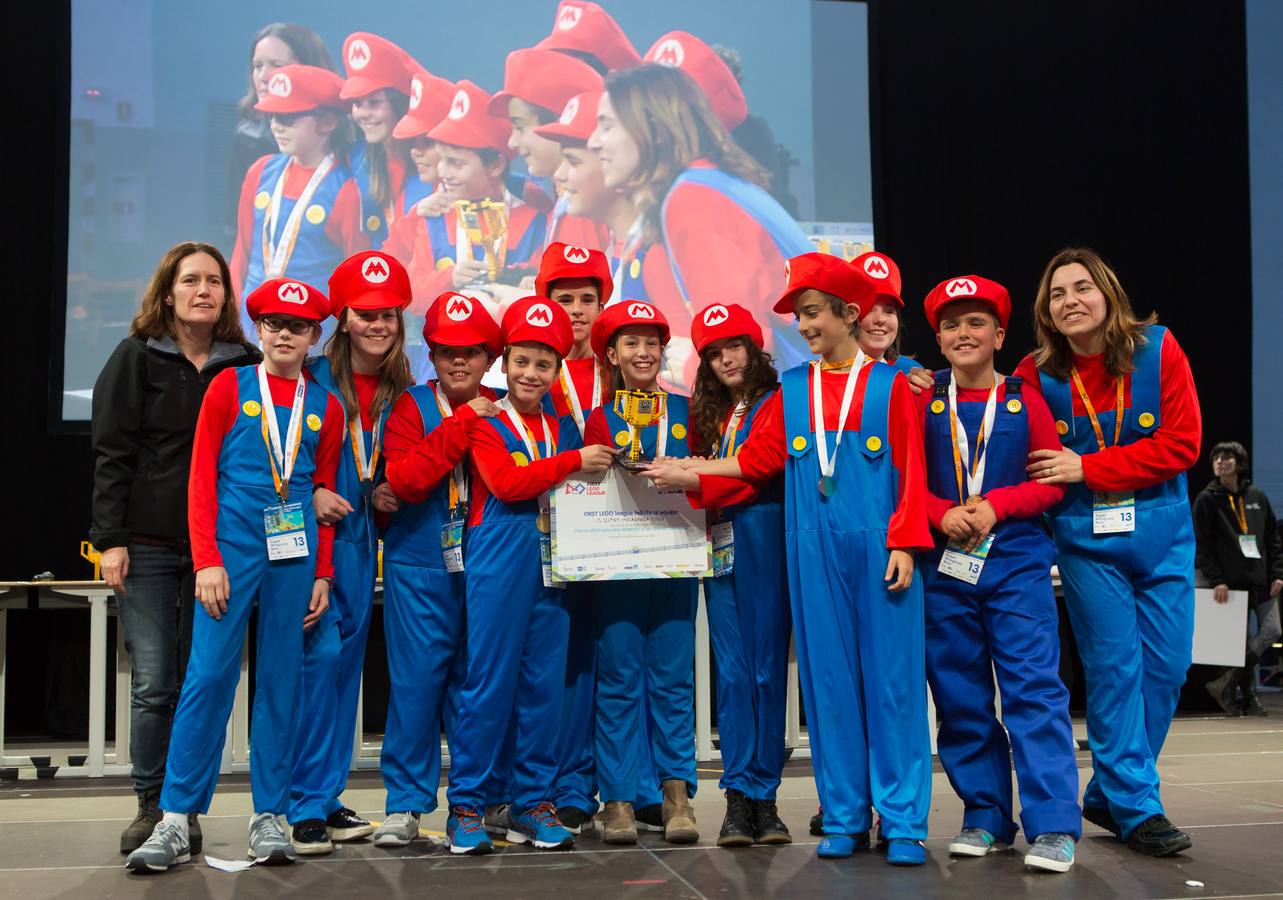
(516, 620)
(853, 519)
(300, 211)
(586, 212)
(586, 31)
(989, 600)
(266, 437)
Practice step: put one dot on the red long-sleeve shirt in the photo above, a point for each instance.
(342, 226)
(1018, 501)
(218, 414)
(764, 454)
(580, 373)
(496, 473)
(416, 462)
(1173, 446)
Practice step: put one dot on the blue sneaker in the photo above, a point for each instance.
(539, 826)
(837, 846)
(465, 832)
(976, 842)
(906, 852)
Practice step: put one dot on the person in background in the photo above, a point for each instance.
(586, 31)
(1239, 549)
(145, 406)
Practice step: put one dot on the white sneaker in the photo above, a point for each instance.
(976, 842)
(167, 846)
(397, 830)
(268, 842)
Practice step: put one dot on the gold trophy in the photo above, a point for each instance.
(638, 409)
(486, 223)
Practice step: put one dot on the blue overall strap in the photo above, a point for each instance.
(414, 191)
(905, 364)
(425, 397)
(1145, 412)
(875, 415)
(795, 389)
(1013, 385)
(940, 390)
(1056, 392)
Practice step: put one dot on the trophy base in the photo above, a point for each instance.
(634, 465)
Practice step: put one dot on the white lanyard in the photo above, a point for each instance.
(975, 482)
(631, 242)
(285, 456)
(732, 429)
(829, 464)
(522, 432)
(572, 394)
(280, 254)
(460, 474)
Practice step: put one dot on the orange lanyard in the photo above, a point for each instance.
(282, 487)
(364, 471)
(1240, 513)
(731, 431)
(957, 453)
(1091, 410)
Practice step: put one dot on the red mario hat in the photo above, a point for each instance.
(374, 63)
(467, 124)
(568, 261)
(578, 120)
(430, 98)
(544, 78)
(454, 320)
(968, 287)
(297, 88)
(586, 28)
(724, 320)
(823, 272)
(626, 312)
(289, 298)
(682, 50)
(540, 320)
(369, 280)
(882, 278)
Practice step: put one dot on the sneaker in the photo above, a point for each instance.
(195, 838)
(1098, 815)
(397, 830)
(1157, 836)
(837, 846)
(817, 823)
(497, 819)
(166, 847)
(345, 825)
(906, 852)
(465, 832)
(539, 826)
(737, 826)
(976, 842)
(1052, 852)
(310, 838)
(268, 843)
(138, 831)
(650, 818)
(574, 819)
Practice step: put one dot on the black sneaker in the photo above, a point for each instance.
(767, 825)
(737, 827)
(310, 838)
(817, 823)
(1156, 836)
(345, 825)
(650, 818)
(574, 819)
(1097, 815)
(194, 837)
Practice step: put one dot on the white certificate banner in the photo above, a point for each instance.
(618, 526)
(1220, 629)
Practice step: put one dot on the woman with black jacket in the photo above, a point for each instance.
(145, 405)
(1240, 549)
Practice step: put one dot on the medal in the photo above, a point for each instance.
(367, 489)
(544, 522)
(828, 485)
(974, 500)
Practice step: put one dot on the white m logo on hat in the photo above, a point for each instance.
(670, 53)
(539, 314)
(572, 109)
(569, 16)
(641, 311)
(715, 314)
(575, 254)
(280, 85)
(358, 55)
(960, 287)
(459, 309)
(292, 292)
(459, 106)
(416, 92)
(876, 267)
(375, 270)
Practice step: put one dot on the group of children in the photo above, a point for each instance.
(916, 556)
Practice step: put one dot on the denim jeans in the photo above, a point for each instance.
(157, 618)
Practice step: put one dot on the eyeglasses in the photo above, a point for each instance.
(296, 326)
(287, 119)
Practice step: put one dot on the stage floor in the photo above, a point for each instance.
(1223, 782)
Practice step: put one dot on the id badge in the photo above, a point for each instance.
(958, 563)
(1113, 513)
(283, 526)
(1247, 543)
(452, 544)
(545, 558)
(723, 548)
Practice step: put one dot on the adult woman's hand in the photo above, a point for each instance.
(1055, 467)
(115, 568)
(385, 499)
(213, 590)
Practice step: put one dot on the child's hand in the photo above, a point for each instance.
(956, 524)
(329, 506)
(668, 474)
(982, 519)
(484, 407)
(437, 204)
(920, 379)
(899, 568)
(319, 604)
(385, 499)
(595, 459)
(467, 272)
(213, 590)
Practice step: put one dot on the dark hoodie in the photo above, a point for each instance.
(1216, 529)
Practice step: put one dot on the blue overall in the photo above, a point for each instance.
(516, 657)
(373, 217)
(282, 589)
(334, 650)
(748, 622)
(1007, 622)
(859, 647)
(1130, 599)
(646, 661)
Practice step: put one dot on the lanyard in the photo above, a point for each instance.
(364, 470)
(272, 433)
(732, 430)
(1091, 411)
(829, 464)
(458, 475)
(572, 395)
(519, 427)
(632, 241)
(277, 257)
(976, 473)
(1240, 513)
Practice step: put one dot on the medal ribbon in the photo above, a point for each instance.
(364, 470)
(458, 475)
(272, 433)
(829, 464)
(277, 257)
(1240, 513)
(572, 395)
(1091, 410)
(731, 431)
(976, 473)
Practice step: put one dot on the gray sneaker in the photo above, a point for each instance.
(976, 842)
(397, 830)
(497, 820)
(1052, 852)
(167, 846)
(268, 842)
